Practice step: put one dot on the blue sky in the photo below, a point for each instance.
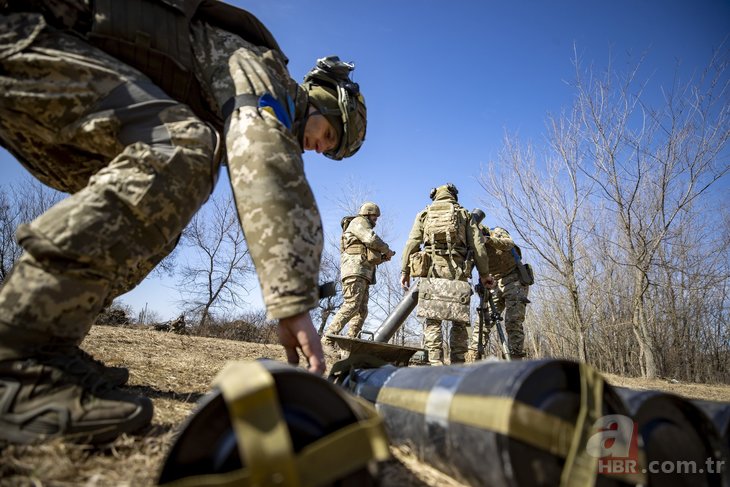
(443, 81)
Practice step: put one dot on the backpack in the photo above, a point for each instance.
(441, 226)
(444, 230)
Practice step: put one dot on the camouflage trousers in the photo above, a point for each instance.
(137, 164)
(510, 298)
(356, 293)
(434, 341)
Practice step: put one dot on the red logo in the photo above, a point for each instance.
(616, 445)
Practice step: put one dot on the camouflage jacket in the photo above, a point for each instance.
(275, 203)
(416, 239)
(499, 249)
(357, 238)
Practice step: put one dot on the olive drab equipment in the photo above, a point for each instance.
(444, 231)
(269, 423)
(154, 37)
(334, 75)
(350, 245)
(444, 234)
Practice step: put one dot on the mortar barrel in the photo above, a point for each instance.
(682, 446)
(489, 423)
(396, 318)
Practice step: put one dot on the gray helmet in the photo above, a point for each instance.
(369, 208)
(338, 98)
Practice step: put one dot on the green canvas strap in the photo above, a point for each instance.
(263, 439)
(345, 450)
(264, 444)
(580, 467)
(524, 422)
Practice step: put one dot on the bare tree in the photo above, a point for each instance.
(21, 203)
(546, 210)
(632, 267)
(651, 165)
(215, 275)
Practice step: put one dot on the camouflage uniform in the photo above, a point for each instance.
(357, 274)
(510, 295)
(448, 266)
(138, 165)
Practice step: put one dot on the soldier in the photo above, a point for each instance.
(361, 251)
(131, 120)
(510, 294)
(449, 261)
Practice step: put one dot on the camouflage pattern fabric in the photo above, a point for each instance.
(416, 238)
(510, 298)
(444, 299)
(449, 267)
(356, 292)
(360, 235)
(499, 244)
(138, 165)
(434, 341)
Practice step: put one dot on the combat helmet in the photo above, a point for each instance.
(369, 208)
(338, 98)
(446, 187)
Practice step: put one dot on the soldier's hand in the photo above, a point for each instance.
(489, 281)
(405, 281)
(389, 254)
(297, 333)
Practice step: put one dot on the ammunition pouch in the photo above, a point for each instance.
(419, 263)
(525, 275)
(444, 299)
(373, 257)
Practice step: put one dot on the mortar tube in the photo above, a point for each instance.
(398, 316)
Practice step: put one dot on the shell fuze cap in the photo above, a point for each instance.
(369, 208)
(338, 98)
(478, 215)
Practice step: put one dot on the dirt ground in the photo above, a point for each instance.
(175, 371)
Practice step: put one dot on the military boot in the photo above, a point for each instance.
(116, 376)
(17, 342)
(60, 395)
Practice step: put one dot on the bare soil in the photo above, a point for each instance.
(175, 371)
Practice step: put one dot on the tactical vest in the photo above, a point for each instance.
(154, 37)
(348, 243)
(443, 227)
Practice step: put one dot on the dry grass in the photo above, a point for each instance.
(175, 371)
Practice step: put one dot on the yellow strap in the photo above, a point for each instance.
(344, 451)
(265, 446)
(500, 414)
(262, 434)
(580, 467)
